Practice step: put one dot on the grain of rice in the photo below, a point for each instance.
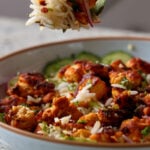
(59, 16)
(118, 86)
(96, 127)
(148, 78)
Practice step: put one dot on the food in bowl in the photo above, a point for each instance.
(85, 100)
(66, 14)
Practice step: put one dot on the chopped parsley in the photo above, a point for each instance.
(72, 86)
(146, 131)
(126, 83)
(95, 104)
(2, 117)
(82, 122)
(45, 127)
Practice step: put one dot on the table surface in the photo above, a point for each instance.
(14, 35)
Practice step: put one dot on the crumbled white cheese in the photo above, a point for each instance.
(55, 131)
(66, 132)
(63, 120)
(32, 99)
(63, 87)
(56, 120)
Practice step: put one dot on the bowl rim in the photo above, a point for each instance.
(107, 38)
(68, 142)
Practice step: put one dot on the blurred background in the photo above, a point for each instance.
(118, 14)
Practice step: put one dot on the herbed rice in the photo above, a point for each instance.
(59, 15)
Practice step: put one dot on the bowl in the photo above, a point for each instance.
(34, 59)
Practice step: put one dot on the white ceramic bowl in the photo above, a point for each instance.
(33, 59)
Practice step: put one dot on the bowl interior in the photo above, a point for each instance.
(33, 59)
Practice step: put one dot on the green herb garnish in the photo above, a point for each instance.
(126, 83)
(81, 121)
(2, 119)
(146, 131)
(72, 86)
(45, 127)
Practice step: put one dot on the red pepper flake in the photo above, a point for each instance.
(42, 2)
(44, 10)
